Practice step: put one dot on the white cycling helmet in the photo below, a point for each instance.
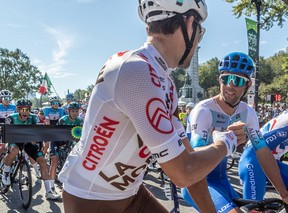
(5, 93)
(190, 105)
(156, 10)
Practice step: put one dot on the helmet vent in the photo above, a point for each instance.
(234, 65)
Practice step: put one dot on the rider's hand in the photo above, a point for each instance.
(238, 130)
(228, 138)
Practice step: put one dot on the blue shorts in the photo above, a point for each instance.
(252, 176)
(222, 194)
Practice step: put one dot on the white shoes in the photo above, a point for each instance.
(52, 196)
(37, 173)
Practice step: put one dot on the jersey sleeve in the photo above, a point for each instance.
(253, 130)
(200, 121)
(141, 94)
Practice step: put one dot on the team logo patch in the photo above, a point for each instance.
(281, 134)
(76, 132)
(158, 117)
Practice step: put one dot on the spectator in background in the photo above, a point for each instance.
(276, 110)
(182, 115)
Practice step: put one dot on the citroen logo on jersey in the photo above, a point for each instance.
(158, 117)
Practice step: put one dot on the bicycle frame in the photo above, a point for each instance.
(17, 169)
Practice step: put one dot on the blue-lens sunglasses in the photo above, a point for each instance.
(238, 81)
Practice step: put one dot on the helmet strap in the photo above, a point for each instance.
(189, 43)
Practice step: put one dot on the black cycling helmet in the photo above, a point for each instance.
(41, 111)
(23, 103)
(73, 105)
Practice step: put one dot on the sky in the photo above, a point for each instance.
(72, 39)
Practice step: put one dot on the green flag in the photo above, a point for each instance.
(251, 27)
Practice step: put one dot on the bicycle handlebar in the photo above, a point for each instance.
(267, 204)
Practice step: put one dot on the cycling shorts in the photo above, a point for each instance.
(222, 194)
(143, 202)
(33, 150)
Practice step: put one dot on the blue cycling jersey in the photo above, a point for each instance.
(5, 111)
(53, 114)
(206, 117)
(275, 133)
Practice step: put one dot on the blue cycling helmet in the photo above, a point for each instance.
(70, 96)
(237, 63)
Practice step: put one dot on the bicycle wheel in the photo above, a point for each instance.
(25, 184)
(230, 163)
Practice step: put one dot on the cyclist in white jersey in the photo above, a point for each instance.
(132, 114)
(218, 113)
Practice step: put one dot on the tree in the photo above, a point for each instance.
(208, 75)
(272, 11)
(17, 74)
(278, 75)
(178, 76)
(79, 94)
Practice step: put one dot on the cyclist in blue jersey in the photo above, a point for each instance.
(6, 108)
(71, 119)
(69, 99)
(53, 113)
(33, 149)
(189, 108)
(218, 113)
(253, 178)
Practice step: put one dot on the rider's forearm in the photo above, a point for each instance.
(190, 167)
(201, 196)
(271, 169)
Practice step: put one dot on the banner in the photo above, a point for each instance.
(251, 27)
(37, 133)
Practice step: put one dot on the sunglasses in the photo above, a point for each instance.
(201, 33)
(55, 103)
(238, 81)
(6, 98)
(24, 109)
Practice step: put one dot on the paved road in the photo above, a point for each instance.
(10, 202)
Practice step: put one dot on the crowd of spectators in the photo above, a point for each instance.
(266, 112)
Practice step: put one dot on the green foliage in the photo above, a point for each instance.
(79, 94)
(178, 76)
(271, 12)
(17, 74)
(208, 75)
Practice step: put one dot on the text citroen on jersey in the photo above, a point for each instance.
(103, 131)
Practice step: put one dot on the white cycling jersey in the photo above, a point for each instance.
(132, 114)
(208, 116)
